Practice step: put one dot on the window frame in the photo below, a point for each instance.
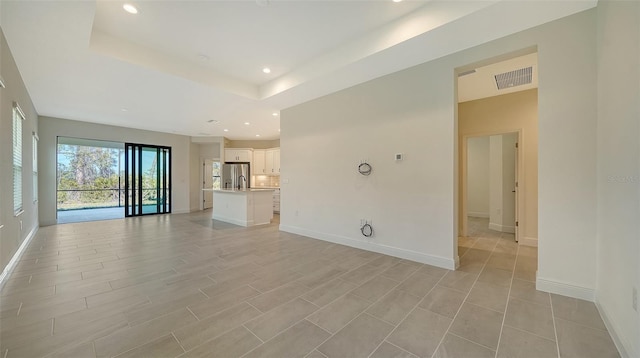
(17, 158)
(34, 148)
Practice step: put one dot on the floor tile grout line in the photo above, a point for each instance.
(358, 315)
(190, 311)
(250, 331)
(555, 330)
(581, 324)
(468, 340)
(259, 310)
(407, 315)
(528, 332)
(315, 350)
(304, 299)
(462, 304)
(385, 341)
(506, 308)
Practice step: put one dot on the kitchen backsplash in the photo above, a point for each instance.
(265, 181)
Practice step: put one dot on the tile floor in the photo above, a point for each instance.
(184, 286)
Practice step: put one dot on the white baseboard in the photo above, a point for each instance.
(438, 261)
(16, 257)
(528, 241)
(475, 214)
(565, 289)
(181, 211)
(502, 228)
(625, 349)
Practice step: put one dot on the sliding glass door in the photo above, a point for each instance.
(147, 182)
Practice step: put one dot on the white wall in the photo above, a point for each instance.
(16, 228)
(51, 128)
(410, 202)
(508, 181)
(619, 170)
(496, 182)
(412, 111)
(478, 177)
(567, 157)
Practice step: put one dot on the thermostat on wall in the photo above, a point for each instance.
(399, 157)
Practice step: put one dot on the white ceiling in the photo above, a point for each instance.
(178, 64)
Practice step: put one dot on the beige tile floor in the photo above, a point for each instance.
(182, 285)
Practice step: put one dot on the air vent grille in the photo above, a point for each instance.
(514, 78)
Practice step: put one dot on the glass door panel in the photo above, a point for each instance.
(148, 179)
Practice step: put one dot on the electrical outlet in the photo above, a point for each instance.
(634, 299)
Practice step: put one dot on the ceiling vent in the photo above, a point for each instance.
(514, 78)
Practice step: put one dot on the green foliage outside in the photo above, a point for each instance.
(90, 169)
(89, 177)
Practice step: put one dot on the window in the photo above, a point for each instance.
(18, 118)
(35, 166)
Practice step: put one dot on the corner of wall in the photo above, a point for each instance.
(565, 289)
(6, 272)
(613, 329)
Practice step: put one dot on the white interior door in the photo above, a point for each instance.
(515, 191)
(207, 183)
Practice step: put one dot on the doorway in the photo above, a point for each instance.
(210, 180)
(491, 186)
(147, 183)
(495, 97)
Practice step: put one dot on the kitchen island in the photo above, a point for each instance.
(248, 207)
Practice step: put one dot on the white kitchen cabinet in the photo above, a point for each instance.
(272, 160)
(238, 155)
(259, 166)
(276, 201)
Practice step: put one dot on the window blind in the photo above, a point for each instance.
(18, 118)
(35, 166)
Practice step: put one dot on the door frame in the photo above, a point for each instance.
(520, 197)
(166, 179)
(202, 165)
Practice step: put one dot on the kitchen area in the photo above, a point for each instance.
(245, 186)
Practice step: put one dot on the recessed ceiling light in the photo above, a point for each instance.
(246, 123)
(226, 130)
(397, 0)
(124, 109)
(257, 135)
(266, 70)
(275, 114)
(130, 8)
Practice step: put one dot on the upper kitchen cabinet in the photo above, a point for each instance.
(238, 155)
(259, 166)
(272, 160)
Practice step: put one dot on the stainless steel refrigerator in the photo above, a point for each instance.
(235, 176)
